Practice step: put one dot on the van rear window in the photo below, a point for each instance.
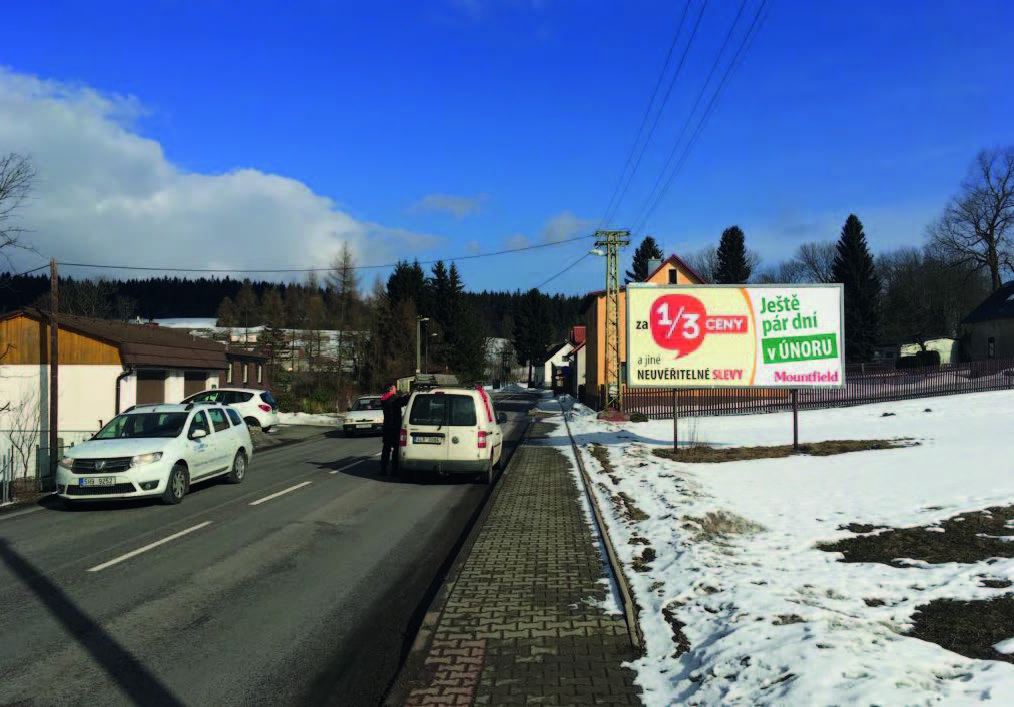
(444, 410)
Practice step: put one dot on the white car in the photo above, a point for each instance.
(158, 451)
(258, 407)
(451, 430)
(365, 415)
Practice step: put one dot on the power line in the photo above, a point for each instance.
(751, 32)
(543, 284)
(658, 115)
(29, 272)
(647, 112)
(307, 270)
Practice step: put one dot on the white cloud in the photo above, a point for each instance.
(517, 241)
(565, 225)
(459, 206)
(107, 195)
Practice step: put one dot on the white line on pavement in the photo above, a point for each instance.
(139, 550)
(276, 495)
(347, 466)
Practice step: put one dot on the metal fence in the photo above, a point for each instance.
(863, 384)
(6, 476)
(27, 465)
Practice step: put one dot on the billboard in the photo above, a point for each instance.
(737, 336)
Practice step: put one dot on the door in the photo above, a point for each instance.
(194, 382)
(222, 440)
(199, 452)
(150, 387)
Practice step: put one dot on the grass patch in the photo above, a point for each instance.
(968, 628)
(969, 538)
(630, 509)
(720, 525)
(702, 453)
(601, 455)
(676, 626)
(642, 562)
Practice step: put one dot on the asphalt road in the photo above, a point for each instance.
(300, 586)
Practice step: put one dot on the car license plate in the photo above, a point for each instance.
(97, 481)
(365, 424)
(428, 439)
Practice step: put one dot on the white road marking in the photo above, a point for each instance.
(280, 493)
(348, 466)
(139, 550)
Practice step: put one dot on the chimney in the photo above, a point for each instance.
(653, 265)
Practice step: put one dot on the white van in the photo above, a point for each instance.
(451, 430)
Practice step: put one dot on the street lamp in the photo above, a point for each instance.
(426, 351)
(418, 341)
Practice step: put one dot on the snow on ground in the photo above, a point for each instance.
(305, 418)
(770, 619)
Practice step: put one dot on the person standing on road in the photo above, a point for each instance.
(392, 404)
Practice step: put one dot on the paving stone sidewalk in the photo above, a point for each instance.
(514, 624)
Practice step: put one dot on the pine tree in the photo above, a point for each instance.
(732, 266)
(648, 250)
(854, 269)
(226, 313)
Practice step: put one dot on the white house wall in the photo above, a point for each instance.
(87, 394)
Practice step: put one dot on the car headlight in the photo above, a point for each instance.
(145, 458)
(66, 463)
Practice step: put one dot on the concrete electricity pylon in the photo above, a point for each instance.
(611, 241)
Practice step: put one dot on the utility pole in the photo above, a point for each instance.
(611, 241)
(54, 366)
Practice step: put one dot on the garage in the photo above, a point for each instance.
(150, 387)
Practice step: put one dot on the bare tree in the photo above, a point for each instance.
(23, 419)
(975, 228)
(342, 278)
(703, 262)
(815, 261)
(785, 272)
(16, 179)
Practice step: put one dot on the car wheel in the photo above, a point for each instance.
(176, 489)
(238, 468)
(350, 433)
(266, 429)
(488, 476)
(252, 423)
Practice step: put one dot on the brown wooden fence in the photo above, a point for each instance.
(863, 384)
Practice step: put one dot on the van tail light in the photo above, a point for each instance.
(482, 439)
(403, 441)
(265, 408)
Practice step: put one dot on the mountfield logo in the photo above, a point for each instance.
(812, 377)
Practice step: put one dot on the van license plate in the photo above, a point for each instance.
(428, 439)
(97, 481)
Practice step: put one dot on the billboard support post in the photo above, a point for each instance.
(795, 419)
(675, 429)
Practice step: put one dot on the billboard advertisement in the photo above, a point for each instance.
(737, 336)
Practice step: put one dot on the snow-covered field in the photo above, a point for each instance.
(770, 619)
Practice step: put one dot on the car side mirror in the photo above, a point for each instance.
(197, 434)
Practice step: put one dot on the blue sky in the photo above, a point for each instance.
(257, 135)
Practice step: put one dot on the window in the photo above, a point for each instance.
(991, 347)
(442, 409)
(674, 277)
(246, 372)
(198, 423)
(228, 374)
(218, 419)
(234, 416)
(260, 373)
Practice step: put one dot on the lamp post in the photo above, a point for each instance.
(426, 351)
(418, 341)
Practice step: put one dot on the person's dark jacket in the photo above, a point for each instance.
(393, 405)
